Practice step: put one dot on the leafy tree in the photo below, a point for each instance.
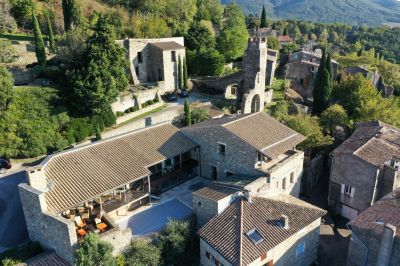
(6, 89)
(7, 22)
(180, 74)
(281, 110)
(94, 252)
(180, 14)
(185, 74)
(285, 31)
(232, 40)
(199, 115)
(209, 10)
(102, 73)
(309, 126)
(187, 112)
(334, 116)
(205, 62)
(22, 11)
(199, 36)
(150, 26)
(140, 252)
(72, 14)
(273, 43)
(174, 240)
(39, 43)
(98, 133)
(51, 35)
(252, 21)
(73, 46)
(263, 23)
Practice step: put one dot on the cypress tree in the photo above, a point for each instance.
(185, 74)
(72, 14)
(39, 44)
(285, 31)
(323, 84)
(51, 35)
(180, 75)
(263, 18)
(98, 133)
(329, 65)
(187, 113)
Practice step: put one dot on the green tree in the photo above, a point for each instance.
(72, 14)
(22, 11)
(273, 43)
(199, 36)
(140, 252)
(263, 23)
(232, 41)
(205, 62)
(285, 31)
(323, 86)
(8, 52)
(309, 126)
(334, 116)
(98, 133)
(52, 43)
(328, 65)
(187, 113)
(209, 10)
(199, 115)
(150, 26)
(185, 75)
(6, 89)
(101, 75)
(174, 240)
(7, 22)
(39, 43)
(94, 252)
(281, 110)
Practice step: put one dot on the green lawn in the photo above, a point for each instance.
(278, 95)
(139, 117)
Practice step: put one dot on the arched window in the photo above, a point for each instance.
(255, 104)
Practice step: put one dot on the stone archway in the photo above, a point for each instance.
(255, 104)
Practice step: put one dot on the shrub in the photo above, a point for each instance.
(119, 114)
(150, 102)
(108, 117)
(141, 252)
(93, 252)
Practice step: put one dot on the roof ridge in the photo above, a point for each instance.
(243, 117)
(54, 155)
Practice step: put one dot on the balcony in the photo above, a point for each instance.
(282, 160)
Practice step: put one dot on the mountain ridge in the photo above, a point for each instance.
(353, 12)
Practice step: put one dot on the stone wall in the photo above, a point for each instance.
(51, 231)
(313, 171)
(204, 261)
(120, 239)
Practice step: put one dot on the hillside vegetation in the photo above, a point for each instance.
(370, 12)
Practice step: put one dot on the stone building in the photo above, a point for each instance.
(375, 236)
(375, 77)
(302, 68)
(78, 191)
(256, 230)
(253, 152)
(285, 40)
(155, 61)
(272, 61)
(364, 168)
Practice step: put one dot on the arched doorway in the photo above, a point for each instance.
(255, 104)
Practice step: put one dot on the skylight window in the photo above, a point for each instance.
(255, 236)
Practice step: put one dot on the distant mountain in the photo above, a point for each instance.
(354, 12)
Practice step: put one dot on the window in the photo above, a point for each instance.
(147, 121)
(292, 177)
(268, 179)
(284, 183)
(208, 255)
(277, 184)
(139, 57)
(347, 190)
(199, 204)
(214, 172)
(228, 174)
(173, 56)
(221, 148)
(137, 71)
(255, 236)
(300, 249)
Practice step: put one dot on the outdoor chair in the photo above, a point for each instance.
(79, 222)
(100, 225)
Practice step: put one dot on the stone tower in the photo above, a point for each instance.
(251, 90)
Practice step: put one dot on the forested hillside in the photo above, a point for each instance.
(370, 12)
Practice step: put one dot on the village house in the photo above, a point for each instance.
(302, 68)
(375, 235)
(254, 152)
(285, 40)
(89, 188)
(375, 77)
(242, 229)
(78, 191)
(364, 168)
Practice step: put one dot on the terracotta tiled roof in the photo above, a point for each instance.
(85, 173)
(46, 259)
(384, 211)
(227, 232)
(259, 130)
(285, 38)
(167, 45)
(214, 192)
(374, 142)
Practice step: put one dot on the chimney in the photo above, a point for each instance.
(247, 196)
(284, 221)
(37, 179)
(386, 245)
